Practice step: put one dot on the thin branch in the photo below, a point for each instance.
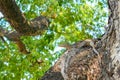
(15, 37)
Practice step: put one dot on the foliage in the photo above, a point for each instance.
(71, 21)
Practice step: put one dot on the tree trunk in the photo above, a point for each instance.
(97, 59)
(113, 39)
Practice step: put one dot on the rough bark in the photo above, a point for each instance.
(113, 39)
(22, 27)
(81, 63)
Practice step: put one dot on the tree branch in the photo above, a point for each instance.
(17, 20)
(15, 37)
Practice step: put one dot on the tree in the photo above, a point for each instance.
(81, 63)
(36, 26)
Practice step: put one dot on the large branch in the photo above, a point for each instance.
(82, 62)
(17, 20)
(23, 27)
(79, 62)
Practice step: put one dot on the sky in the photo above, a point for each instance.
(1, 15)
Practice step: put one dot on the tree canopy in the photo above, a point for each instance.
(70, 21)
